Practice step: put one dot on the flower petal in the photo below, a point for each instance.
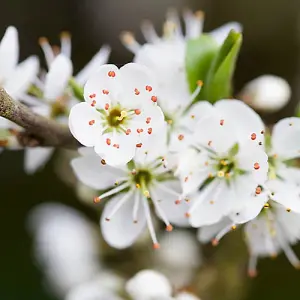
(119, 151)
(36, 158)
(22, 76)
(99, 59)
(243, 119)
(221, 33)
(285, 141)
(57, 77)
(79, 122)
(186, 296)
(89, 170)
(103, 86)
(9, 52)
(120, 232)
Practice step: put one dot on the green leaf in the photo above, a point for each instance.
(200, 53)
(76, 88)
(218, 84)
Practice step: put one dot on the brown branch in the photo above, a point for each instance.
(39, 131)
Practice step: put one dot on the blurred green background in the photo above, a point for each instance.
(271, 45)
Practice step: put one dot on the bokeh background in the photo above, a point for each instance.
(271, 45)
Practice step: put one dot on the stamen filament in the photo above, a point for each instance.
(136, 207)
(115, 190)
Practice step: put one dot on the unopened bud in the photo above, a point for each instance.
(266, 93)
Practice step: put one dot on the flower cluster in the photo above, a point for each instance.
(153, 145)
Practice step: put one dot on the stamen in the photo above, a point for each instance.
(253, 136)
(103, 162)
(252, 272)
(180, 137)
(48, 52)
(140, 130)
(116, 146)
(129, 42)
(123, 115)
(193, 23)
(154, 99)
(105, 92)
(148, 120)
(256, 166)
(149, 32)
(108, 142)
(136, 207)
(92, 122)
(111, 74)
(222, 122)
(258, 190)
(106, 106)
(136, 91)
(65, 37)
(139, 145)
(114, 190)
(197, 90)
(150, 224)
(119, 204)
(148, 88)
(223, 232)
(149, 130)
(92, 96)
(93, 103)
(128, 131)
(137, 111)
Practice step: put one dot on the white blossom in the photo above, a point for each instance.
(267, 93)
(119, 111)
(226, 161)
(144, 181)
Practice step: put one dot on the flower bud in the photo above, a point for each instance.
(266, 93)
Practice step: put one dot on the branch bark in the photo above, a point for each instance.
(45, 132)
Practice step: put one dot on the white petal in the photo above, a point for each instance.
(139, 288)
(9, 53)
(120, 232)
(214, 205)
(210, 133)
(80, 116)
(254, 160)
(242, 118)
(119, 151)
(36, 158)
(89, 170)
(207, 233)
(22, 76)
(221, 33)
(290, 174)
(100, 83)
(57, 77)
(100, 58)
(198, 111)
(286, 193)
(186, 296)
(136, 77)
(174, 212)
(285, 138)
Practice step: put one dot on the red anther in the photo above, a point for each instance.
(252, 273)
(108, 142)
(253, 136)
(116, 146)
(169, 228)
(149, 130)
(177, 202)
(187, 215)
(137, 111)
(107, 219)
(103, 162)
(93, 103)
(156, 246)
(148, 120)
(96, 200)
(154, 98)
(140, 130)
(105, 92)
(256, 166)
(92, 122)
(148, 88)
(192, 116)
(215, 242)
(258, 190)
(222, 122)
(186, 179)
(262, 132)
(92, 96)
(106, 106)
(111, 74)
(139, 145)
(209, 143)
(136, 91)
(128, 131)
(180, 137)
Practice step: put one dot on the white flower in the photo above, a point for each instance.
(119, 111)
(179, 257)
(165, 56)
(65, 245)
(225, 161)
(131, 187)
(15, 78)
(267, 93)
(152, 285)
(50, 52)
